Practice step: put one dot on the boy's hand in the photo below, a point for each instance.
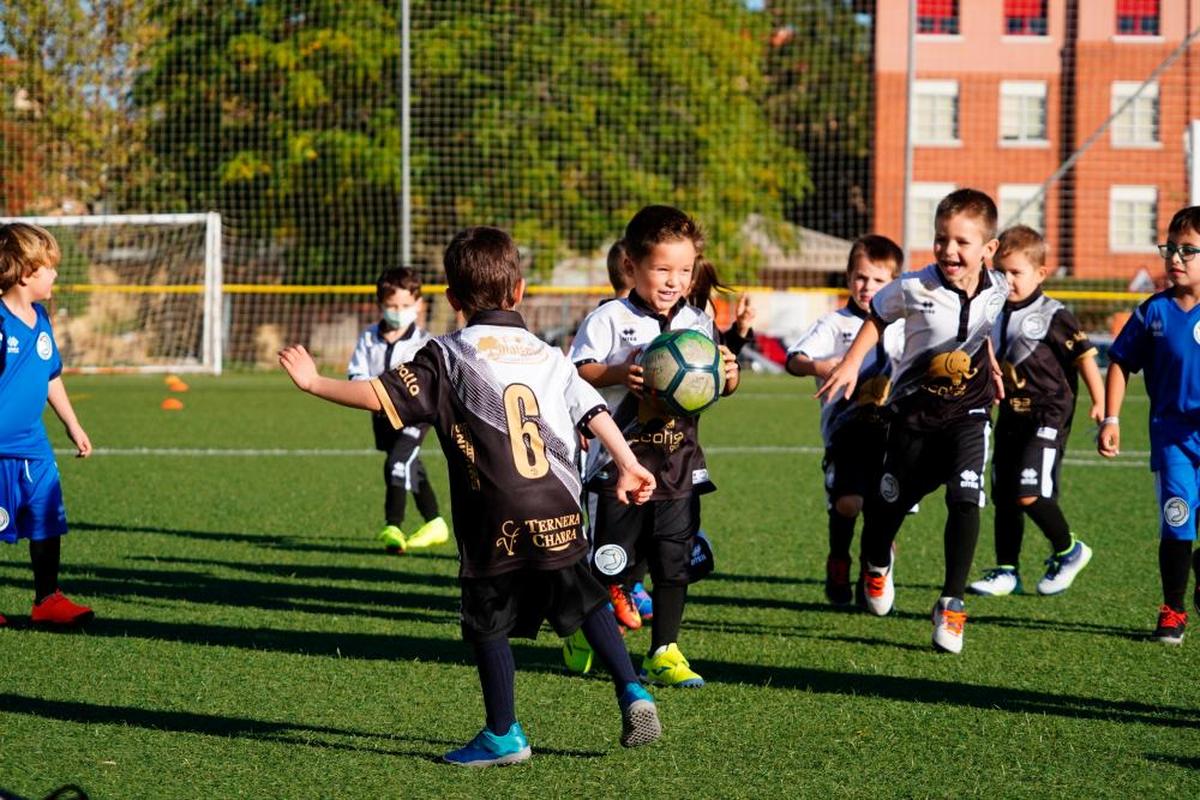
(299, 365)
(634, 484)
(1108, 443)
(744, 314)
(82, 443)
(843, 379)
(824, 368)
(997, 382)
(634, 374)
(1097, 413)
(732, 370)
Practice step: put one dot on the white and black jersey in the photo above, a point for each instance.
(831, 337)
(1039, 344)
(507, 408)
(373, 355)
(944, 373)
(667, 446)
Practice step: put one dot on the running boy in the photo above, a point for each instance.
(1041, 351)
(1161, 338)
(506, 407)
(31, 499)
(387, 344)
(662, 245)
(942, 392)
(854, 429)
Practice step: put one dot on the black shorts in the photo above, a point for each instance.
(854, 460)
(515, 603)
(917, 462)
(660, 531)
(1028, 459)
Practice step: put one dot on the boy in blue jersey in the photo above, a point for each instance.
(1161, 338)
(31, 501)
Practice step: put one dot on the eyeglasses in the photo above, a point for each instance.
(1185, 251)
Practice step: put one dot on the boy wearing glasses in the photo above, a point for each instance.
(1042, 353)
(1161, 338)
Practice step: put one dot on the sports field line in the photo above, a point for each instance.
(1082, 458)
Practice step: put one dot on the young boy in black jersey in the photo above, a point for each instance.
(507, 408)
(943, 387)
(663, 245)
(1042, 352)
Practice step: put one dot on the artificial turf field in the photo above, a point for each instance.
(252, 641)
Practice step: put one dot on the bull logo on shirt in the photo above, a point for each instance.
(1011, 379)
(873, 391)
(947, 373)
(509, 532)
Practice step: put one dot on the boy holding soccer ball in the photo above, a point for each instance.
(943, 387)
(31, 499)
(507, 408)
(854, 429)
(1161, 339)
(662, 246)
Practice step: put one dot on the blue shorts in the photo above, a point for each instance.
(31, 500)
(1178, 484)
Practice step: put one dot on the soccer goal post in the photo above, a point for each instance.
(138, 292)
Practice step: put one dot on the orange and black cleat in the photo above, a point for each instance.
(624, 607)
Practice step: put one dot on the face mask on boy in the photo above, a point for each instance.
(400, 319)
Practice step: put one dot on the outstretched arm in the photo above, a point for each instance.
(1095, 386)
(303, 372)
(1109, 441)
(57, 397)
(844, 376)
(634, 482)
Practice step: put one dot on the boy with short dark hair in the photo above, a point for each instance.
(1042, 351)
(31, 498)
(854, 429)
(507, 408)
(385, 345)
(1160, 339)
(943, 387)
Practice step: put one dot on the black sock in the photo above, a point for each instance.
(1010, 530)
(1048, 516)
(961, 536)
(393, 505)
(668, 615)
(841, 533)
(1196, 567)
(427, 502)
(497, 673)
(45, 555)
(881, 523)
(600, 630)
(1174, 558)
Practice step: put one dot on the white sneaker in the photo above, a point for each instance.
(948, 622)
(879, 588)
(997, 582)
(1061, 570)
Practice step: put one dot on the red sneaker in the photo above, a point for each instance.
(3, 621)
(58, 610)
(624, 608)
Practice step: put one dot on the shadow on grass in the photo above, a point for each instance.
(233, 727)
(1187, 762)
(390, 574)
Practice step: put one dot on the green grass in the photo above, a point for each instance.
(251, 640)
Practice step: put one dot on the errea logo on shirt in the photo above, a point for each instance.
(14, 345)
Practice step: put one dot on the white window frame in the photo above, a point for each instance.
(1015, 194)
(1120, 194)
(1020, 91)
(919, 231)
(1122, 91)
(932, 90)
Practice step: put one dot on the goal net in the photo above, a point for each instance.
(137, 292)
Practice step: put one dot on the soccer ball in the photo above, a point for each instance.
(683, 371)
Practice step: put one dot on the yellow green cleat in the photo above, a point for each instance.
(393, 539)
(668, 667)
(431, 533)
(577, 653)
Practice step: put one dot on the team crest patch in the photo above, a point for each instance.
(994, 305)
(1196, 332)
(44, 347)
(889, 488)
(1176, 511)
(611, 559)
(3, 518)
(1035, 326)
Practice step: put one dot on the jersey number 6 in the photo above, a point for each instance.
(528, 449)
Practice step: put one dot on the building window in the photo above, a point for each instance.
(1023, 112)
(1015, 195)
(1137, 125)
(1137, 17)
(1132, 219)
(923, 199)
(1025, 17)
(937, 16)
(935, 113)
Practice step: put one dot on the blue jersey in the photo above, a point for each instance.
(29, 361)
(1163, 340)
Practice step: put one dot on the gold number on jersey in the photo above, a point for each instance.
(528, 449)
